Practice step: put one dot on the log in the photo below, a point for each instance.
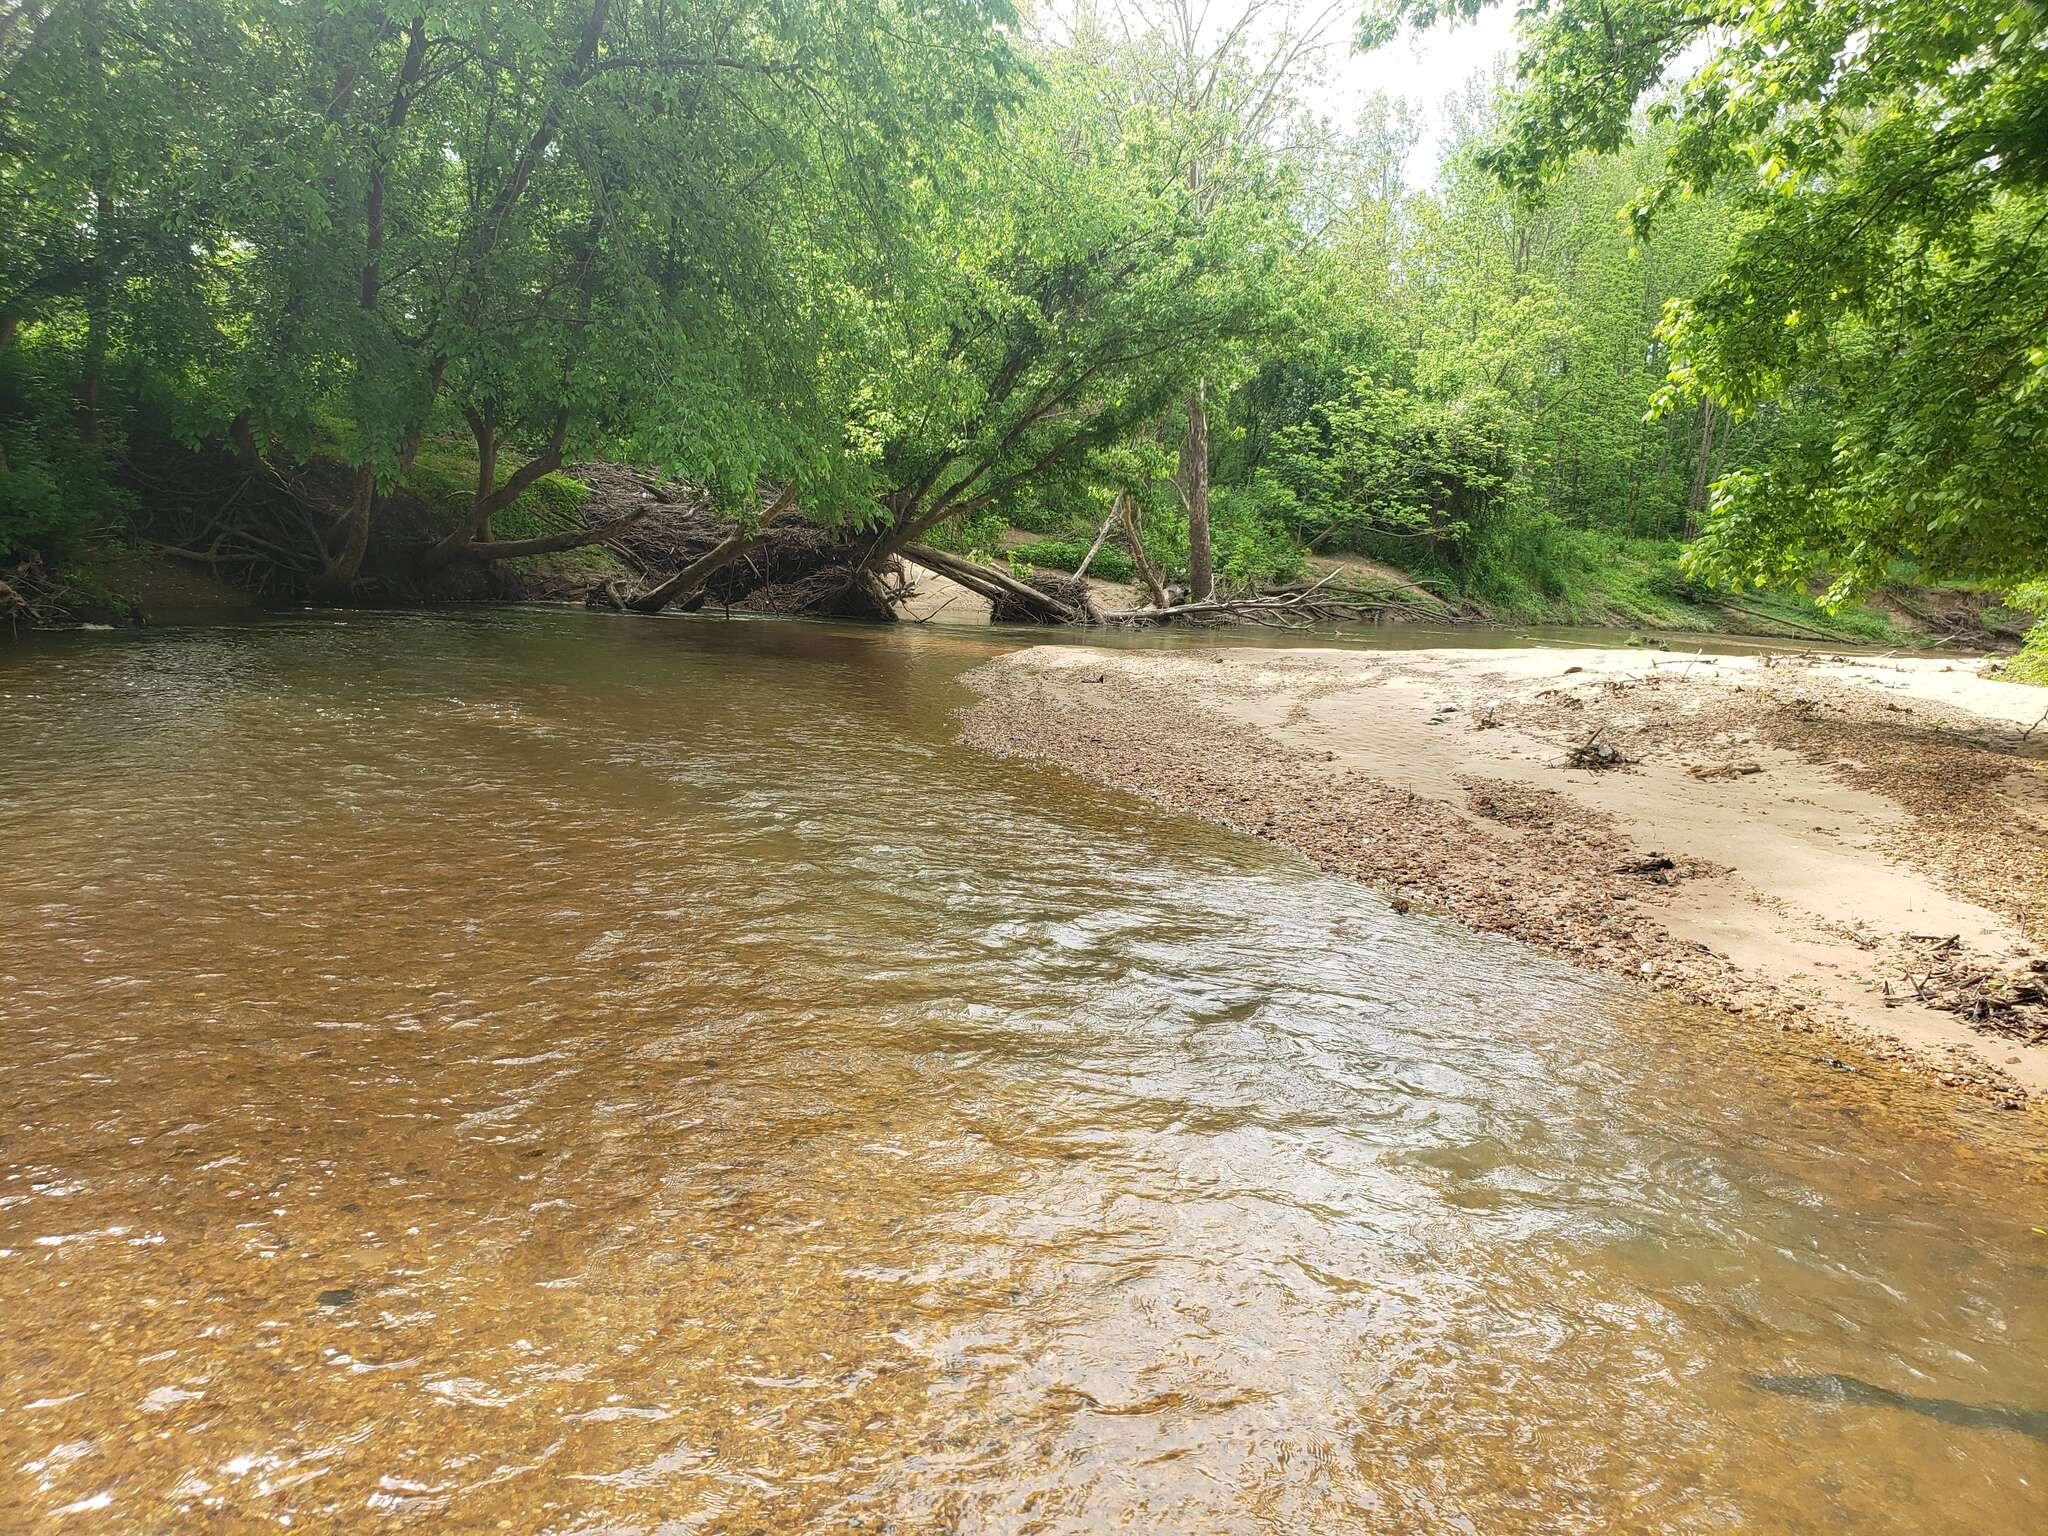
(982, 577)
(1081, 570)
(689, 581)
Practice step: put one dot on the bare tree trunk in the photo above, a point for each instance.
(689, 581)
(93, 372)
(345, 562)
(486, 433)
(1702, 474)
(1148, 573)
(1195, 481)
(342, 556)
(1102, 533)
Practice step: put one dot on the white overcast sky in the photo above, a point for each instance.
(1424, 69)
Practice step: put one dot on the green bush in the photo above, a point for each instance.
(978, 535)
(56, 494)
(1110, 563)
(2031, 665)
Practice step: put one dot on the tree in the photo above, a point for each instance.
(1071, 284)
(1233, 91)
(1887, 161)
(562, 226)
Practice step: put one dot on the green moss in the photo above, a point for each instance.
(444, 476)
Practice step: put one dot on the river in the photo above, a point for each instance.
(537, 1071)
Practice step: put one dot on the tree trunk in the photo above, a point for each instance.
(492, 498)
(343, 565)
(346, 544)
(1195, 480)
(243, 435)
(1148, 573)
(689, 581)
(988, 580)
(1702, 475)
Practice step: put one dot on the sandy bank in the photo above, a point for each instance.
(1844, 844)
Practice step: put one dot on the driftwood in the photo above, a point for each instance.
(1081, 570)
(548, 543)
(1305, 606)
(14, 606)
(1125, 508)
(686, 583)
(994, 583)
(1772, 618)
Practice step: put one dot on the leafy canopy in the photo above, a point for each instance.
(1888, 163)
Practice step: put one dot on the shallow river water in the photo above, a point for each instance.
(541, 1072)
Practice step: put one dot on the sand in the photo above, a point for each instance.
(1851, 845)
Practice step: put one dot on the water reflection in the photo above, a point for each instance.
(595, 1075)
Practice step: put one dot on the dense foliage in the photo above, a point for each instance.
(1767, 281)
(1886, 165)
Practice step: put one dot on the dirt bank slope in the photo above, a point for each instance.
(1839, 843)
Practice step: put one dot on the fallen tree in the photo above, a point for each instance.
(1001, 588)
(1313, 604)
(687, 584)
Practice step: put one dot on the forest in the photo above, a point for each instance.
(1704, 306)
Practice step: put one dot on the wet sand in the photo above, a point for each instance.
(1850, 845)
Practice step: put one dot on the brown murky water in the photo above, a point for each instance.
(535, 1072)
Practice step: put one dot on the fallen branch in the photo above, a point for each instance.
(689, 581)
(982, 578)
(1772, 618)
(548, 543)
(15, 606)
(1081, 570)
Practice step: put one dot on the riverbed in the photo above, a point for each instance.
(548, 1072)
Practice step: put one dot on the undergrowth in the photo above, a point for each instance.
(2031, 664)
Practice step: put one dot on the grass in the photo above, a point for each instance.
(1538, 571)
(1110, 563)
(443, 475)
(445, 478)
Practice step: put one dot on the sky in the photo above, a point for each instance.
(1422, 68)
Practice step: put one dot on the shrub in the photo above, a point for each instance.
(56, 495)
(2031, 665)
(1110, 563)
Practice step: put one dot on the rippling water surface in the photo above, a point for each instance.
(536, 1072)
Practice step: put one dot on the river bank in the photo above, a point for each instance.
(1849, 845)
